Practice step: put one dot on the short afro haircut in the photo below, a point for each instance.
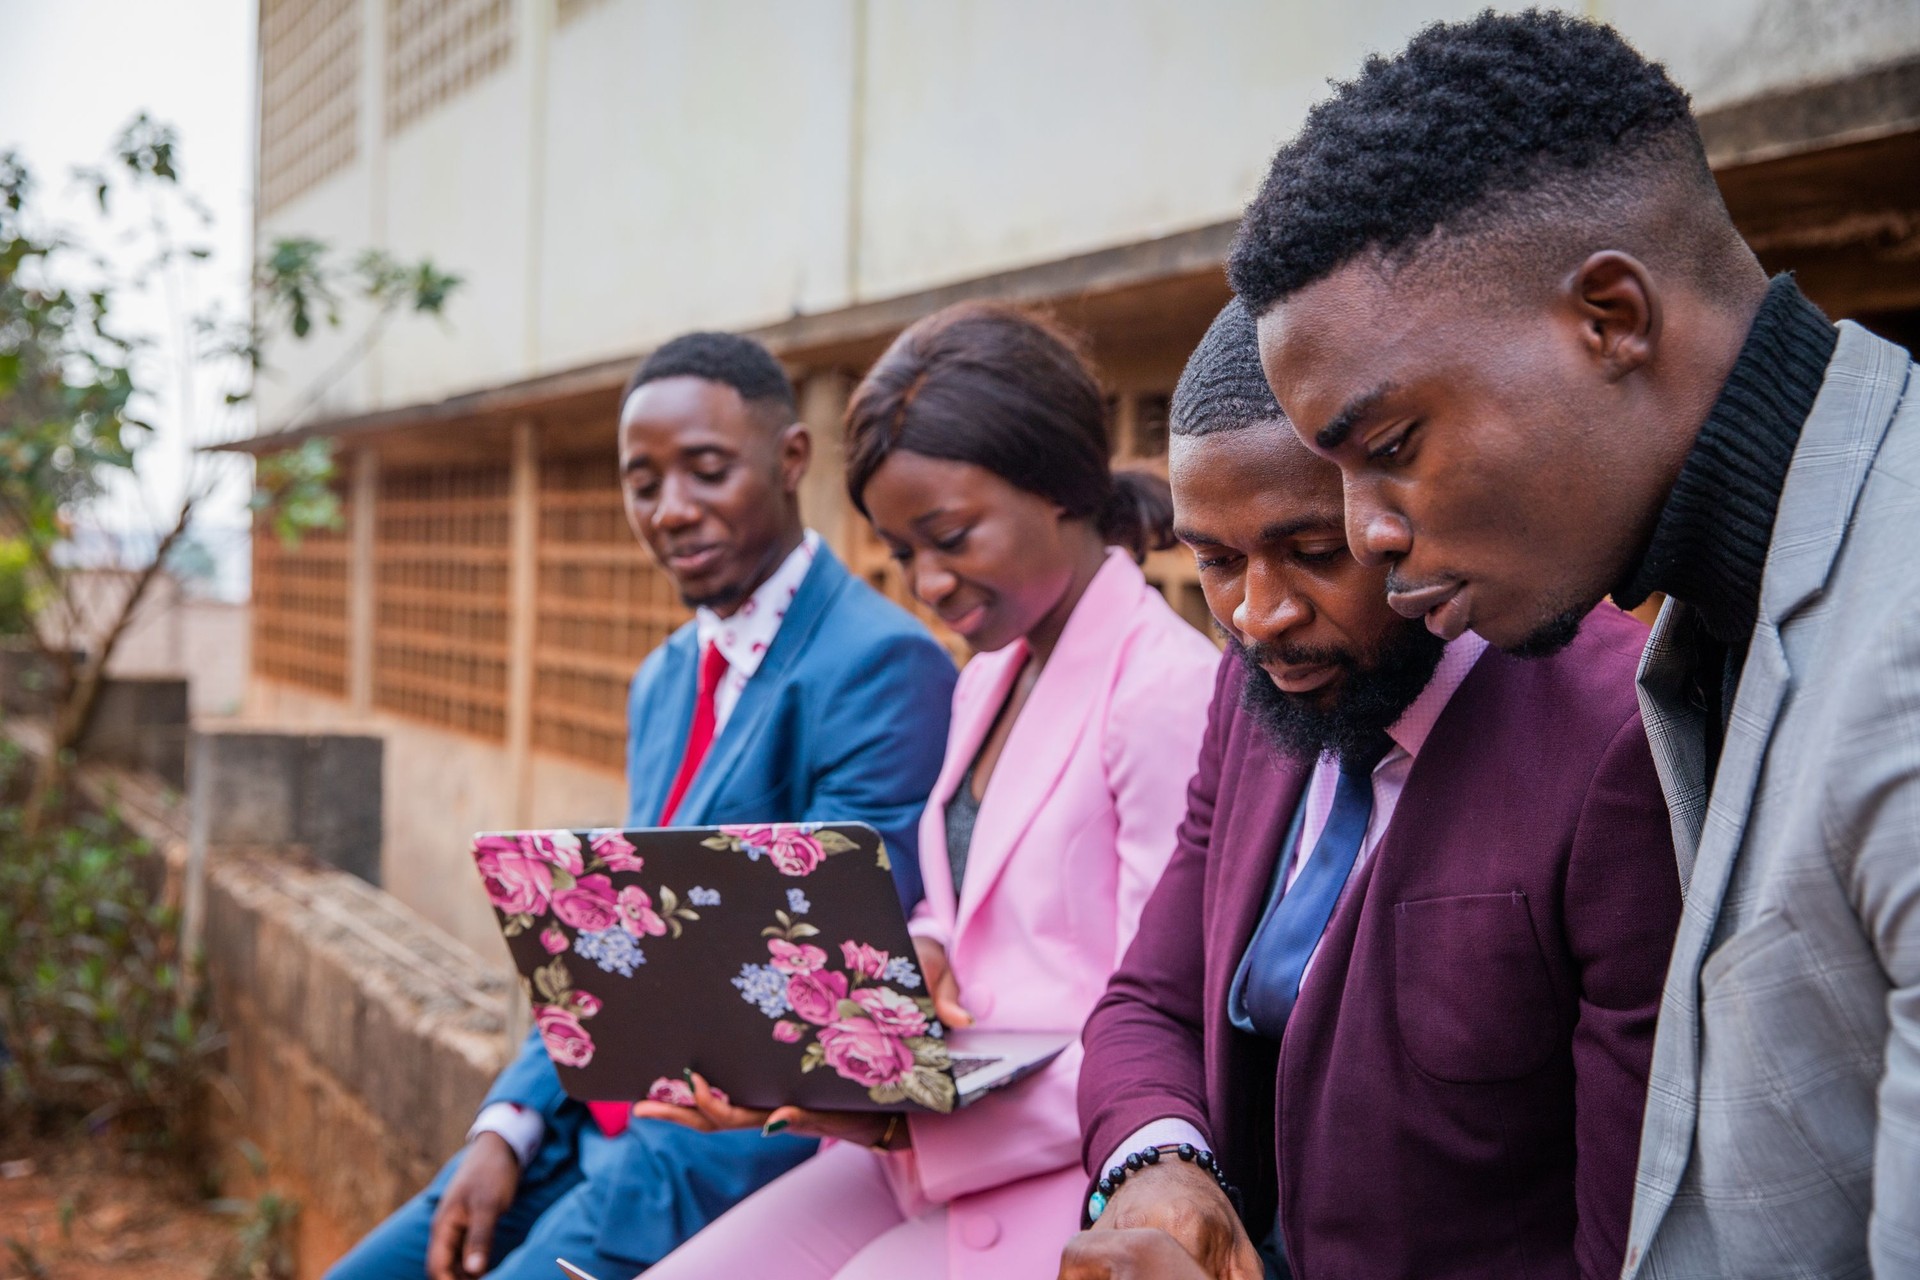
(1469, 121)
(1222, 387)
(726, 358)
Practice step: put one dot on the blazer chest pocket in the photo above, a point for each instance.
(1472, 994)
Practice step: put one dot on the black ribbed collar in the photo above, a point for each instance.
(1709, 547)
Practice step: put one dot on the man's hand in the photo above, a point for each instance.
(1183, 1201)
(1139, 1253)
(941, 984)
(712, 1113)
(461, 1238)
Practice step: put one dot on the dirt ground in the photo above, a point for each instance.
(75, 1214)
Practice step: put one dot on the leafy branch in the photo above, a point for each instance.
(70, 380)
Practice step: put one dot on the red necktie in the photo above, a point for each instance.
(713, 667)
(612, 1117)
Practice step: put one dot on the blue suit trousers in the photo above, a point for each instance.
(562, 1204)
(554, 1216)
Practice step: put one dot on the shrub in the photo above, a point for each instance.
(14, 618)
(93, 1018)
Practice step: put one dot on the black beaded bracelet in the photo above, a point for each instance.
(1109, 1184)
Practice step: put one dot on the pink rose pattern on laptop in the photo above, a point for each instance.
(556, 883)
(853, 1019)
(795, 848)
(856, 1019)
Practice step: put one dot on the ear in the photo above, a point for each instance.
(796, 454)
(1618, 309)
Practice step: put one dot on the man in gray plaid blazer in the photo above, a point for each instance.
(1497, 285)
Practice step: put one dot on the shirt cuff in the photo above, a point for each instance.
(1156, 1133)
(928, 928)
(520, 1127)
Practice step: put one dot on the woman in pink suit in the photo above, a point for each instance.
(978, 448)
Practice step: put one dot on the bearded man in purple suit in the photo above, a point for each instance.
(1390, 1012)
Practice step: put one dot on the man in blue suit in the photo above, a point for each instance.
(796, 694)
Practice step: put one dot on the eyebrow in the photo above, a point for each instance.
(926, 519)
(687, 454)
(1279, 531)
(1351, 415)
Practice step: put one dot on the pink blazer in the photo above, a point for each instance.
(1077, 825)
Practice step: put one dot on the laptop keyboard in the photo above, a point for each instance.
(965, 1065)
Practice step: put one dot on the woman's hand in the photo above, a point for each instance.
(941, 984)
(712, 1113)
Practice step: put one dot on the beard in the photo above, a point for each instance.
(1370, 696)
(1553, 635)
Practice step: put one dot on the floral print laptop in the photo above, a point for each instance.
(774, 960)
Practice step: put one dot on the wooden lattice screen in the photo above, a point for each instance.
(603, 605)
(309, 94)
(437, 48)
(441, 546)
(300, 606)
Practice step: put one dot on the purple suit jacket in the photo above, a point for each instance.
(1460, 1088)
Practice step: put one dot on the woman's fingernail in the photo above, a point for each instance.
(772, 1127)
(688, 1073)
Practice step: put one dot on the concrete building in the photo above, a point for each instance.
(607, 173)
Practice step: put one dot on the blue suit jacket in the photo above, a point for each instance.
(846, 720)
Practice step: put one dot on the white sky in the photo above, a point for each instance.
(72, 74)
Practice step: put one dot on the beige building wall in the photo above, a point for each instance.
(174, 634)
(645, 166)
(696, 171)
(629, 169)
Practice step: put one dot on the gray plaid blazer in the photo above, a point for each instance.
(1782, 1134)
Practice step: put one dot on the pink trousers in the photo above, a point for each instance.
(836, 1217)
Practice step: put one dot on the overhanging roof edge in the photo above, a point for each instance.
(1142, 262)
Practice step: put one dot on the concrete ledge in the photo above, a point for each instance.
(316, 791)
(141, 722)
(362, 1039)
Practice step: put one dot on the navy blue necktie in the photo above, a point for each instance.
(1286, 939)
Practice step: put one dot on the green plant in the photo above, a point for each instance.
(72, 374)
(91, 1008)
(14, 615)
(263, 1241)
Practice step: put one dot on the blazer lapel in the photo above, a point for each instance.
(661, 740)
(1842, 435)
(1064, 699)
(1666, 1136)
(1676, 730)
(818, 590)
(1864, 384)
(996, 673)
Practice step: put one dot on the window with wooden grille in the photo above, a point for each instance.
(300, 607)
(603, 606)
(310, 56)
(438, 48)
(440, 560)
